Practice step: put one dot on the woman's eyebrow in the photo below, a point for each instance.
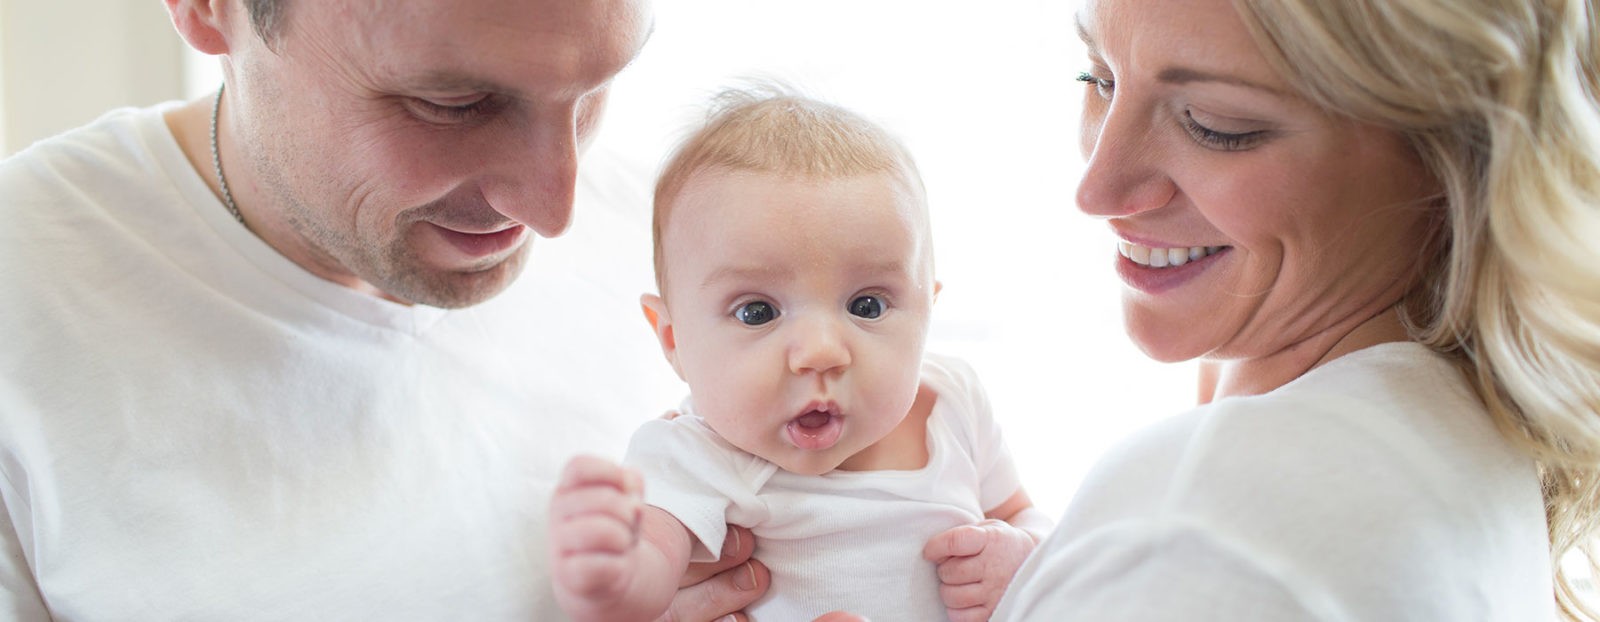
(1083, 33)
(1186, 75)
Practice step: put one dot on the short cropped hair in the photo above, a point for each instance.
(266, 16)
(772, 128)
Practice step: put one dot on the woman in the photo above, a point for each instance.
(1375, 221)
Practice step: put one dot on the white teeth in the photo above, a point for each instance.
(1164, 257)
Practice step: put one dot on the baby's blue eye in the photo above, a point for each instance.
(756, 313)
(868, 307)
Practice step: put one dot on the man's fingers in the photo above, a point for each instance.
(726, 593)
(961, 541)
(736, 548)
(840, 616)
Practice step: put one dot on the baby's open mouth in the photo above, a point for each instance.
(816, 429)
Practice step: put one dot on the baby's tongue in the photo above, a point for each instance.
(813, 419)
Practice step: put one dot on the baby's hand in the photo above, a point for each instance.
(594, 535)
(976, 562)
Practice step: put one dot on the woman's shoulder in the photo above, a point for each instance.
(1369, 473)
(1389, 424)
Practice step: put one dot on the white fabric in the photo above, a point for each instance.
(1372, 488)
(194, 428)
(844, 540)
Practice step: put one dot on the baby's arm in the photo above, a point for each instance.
(611, 556)
(976, 562)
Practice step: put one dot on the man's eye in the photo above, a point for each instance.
(868, 307)
(451, 113)
(755, 313)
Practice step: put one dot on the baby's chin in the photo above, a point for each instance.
(810, 463)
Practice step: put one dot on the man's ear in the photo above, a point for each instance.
(655, 312)
(201, 23)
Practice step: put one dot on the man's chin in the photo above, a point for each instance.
(455, 289)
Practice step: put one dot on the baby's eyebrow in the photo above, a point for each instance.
(745, 274)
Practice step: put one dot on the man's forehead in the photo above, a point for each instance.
(483, 45)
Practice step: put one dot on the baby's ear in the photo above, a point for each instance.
(937, 286)
(655, 312)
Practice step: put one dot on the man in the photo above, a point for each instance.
(230, 388)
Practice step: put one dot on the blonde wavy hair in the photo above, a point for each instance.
(1501, 98)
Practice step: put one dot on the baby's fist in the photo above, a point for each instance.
(976, 563)
(594, 530)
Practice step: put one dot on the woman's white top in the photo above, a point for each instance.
(1374, 487)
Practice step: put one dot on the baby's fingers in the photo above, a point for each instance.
(964, 541)
(595, 533)
(595, 576)
(962, 570)
(585, 471)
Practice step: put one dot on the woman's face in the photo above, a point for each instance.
(1249, 223)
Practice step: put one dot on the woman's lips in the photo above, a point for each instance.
(1149, 279)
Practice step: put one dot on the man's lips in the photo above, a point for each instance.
(482, 244)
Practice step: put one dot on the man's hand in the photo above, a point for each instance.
(594, 536)
(721, 590)
(975, 563)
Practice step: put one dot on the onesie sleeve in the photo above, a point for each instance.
(956, 381)
(1154, 572)
(698, 478)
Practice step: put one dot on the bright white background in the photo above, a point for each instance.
(983, 95)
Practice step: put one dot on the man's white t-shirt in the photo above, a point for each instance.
(193, 427)
(1372, 488)
(843, 540)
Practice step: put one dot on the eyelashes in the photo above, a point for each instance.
(1200, 133)
(1221, 141)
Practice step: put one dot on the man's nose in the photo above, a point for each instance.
(538, 175)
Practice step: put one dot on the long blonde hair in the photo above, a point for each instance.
(1501, 98)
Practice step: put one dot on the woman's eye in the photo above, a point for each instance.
(755, 313)
(1221, 141)
(868, 307)
(1101, 85)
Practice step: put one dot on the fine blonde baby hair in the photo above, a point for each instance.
(769, 127)
(1501, 99)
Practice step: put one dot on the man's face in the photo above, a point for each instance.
(409, 147)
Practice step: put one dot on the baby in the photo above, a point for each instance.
(794, 262)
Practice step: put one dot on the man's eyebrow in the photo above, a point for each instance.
(1187, 75)
(447, 82)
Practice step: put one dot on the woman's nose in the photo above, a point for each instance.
(1125, 173)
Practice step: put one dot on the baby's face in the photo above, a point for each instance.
(798, 308)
